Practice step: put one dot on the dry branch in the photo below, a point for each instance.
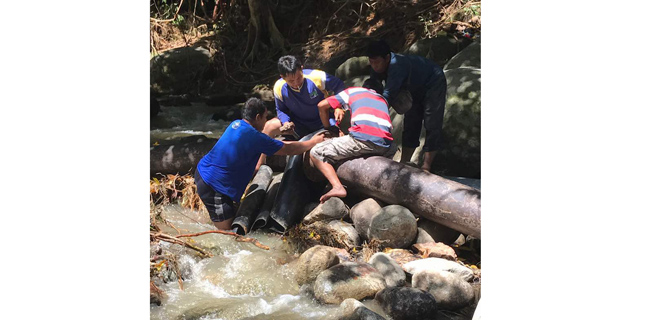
(172, 239)
(238, 238)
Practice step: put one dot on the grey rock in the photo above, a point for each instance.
(403, 303)
(352, 309)
(451, 292)
(353, 67)
(440, 48)
(469, 57)
(356, 280)
(179, 70)
(423, 236)
(437, 232)
(394, 225)
(462, 122)
(313, 261)
(438, 264)
(352, 238)
(361, 215)
(389, 268)
(332, 209)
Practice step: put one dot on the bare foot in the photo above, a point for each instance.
(335, 192)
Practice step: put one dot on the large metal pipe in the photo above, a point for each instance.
(250, 205)
(447, 202)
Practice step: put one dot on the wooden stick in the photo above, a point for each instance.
(168, 238)
(238, 237)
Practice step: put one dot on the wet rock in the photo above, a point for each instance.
(362, 213)
(402, 256)
(477, 311)
(356, 280)
(352, 309)
(436, 250)
(178, 70)
(313, 261)
(154, 106)
(332, 209)
(438, 232)
(351, 238)
(389, 268)
(403, 303)
(438, 264)
(263, 92)
(227, 113)
(469, 57)
(353, 67)
(423, 236)
(156, 295)
(451, 292)
(394, 225)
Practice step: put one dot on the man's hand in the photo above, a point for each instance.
(318, 138)
(287, 127)
(338, 115)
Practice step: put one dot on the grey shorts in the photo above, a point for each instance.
(346, 147)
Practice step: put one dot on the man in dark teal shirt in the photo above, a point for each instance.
(426, 82)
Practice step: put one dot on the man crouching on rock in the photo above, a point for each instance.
(222, 174)
(370, 131)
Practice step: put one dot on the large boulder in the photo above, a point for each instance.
(394, 226)
(389, 268)
(451, 292)
(403, 303)
(349, 235)
(436, 250)
(332, 209)
(353, 67)
(178, 70)
(440, 48)
(462, 123)
(352, 309)
(469, 57)
(438, 264)
(313, 261)
(356, 280)
(362, 213)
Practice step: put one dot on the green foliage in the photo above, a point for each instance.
(162, 9)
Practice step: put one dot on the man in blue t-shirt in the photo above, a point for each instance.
(427, 85)
(222, 174)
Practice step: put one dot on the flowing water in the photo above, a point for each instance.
(241, 281)
(184, 121)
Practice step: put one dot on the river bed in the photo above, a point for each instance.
(241, 281)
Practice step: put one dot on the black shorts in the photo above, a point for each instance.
(220, 207)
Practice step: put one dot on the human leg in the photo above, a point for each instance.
(411, 131)
(328, 152)
(434, 111)
(220, 207)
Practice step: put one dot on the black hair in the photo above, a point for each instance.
(288, 65)
(377, 48)
(374, 84)
(252, 108)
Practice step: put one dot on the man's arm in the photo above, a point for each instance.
(298, 147)
(282, 111)
(324, 112)
(332, 83)
(397, 75)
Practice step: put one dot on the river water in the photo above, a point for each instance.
(241, 281)
(184, 121)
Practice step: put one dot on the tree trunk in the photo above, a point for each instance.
(262, 31)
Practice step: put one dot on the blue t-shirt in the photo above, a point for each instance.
(229, 166)
(301, 107)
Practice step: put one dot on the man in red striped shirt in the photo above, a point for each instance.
(370, 131)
